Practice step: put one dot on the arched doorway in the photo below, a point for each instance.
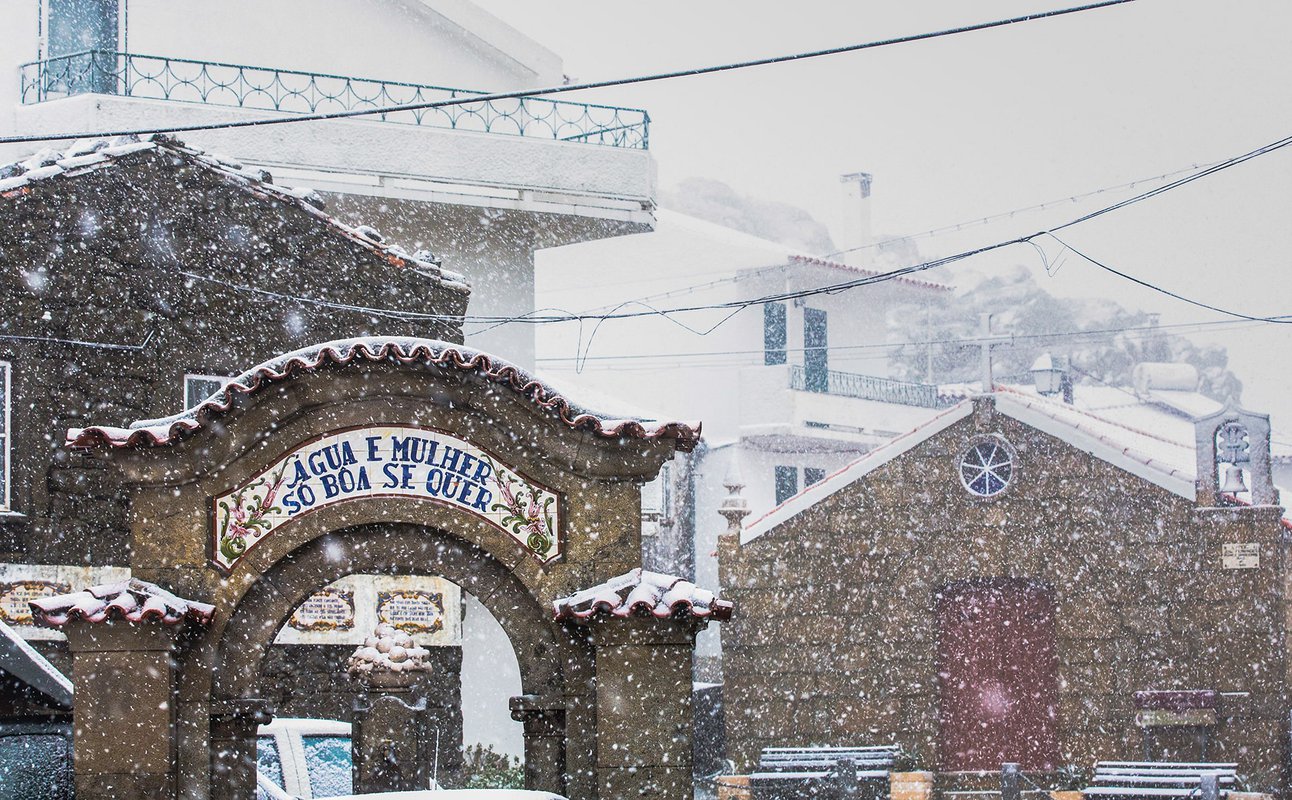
(390, 456)
(540, 648)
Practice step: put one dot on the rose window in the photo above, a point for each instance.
(986, 468)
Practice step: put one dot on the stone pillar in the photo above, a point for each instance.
(643, 667)
(734, 509)
(124, 713)
(392, 741)
(544, 721)
(443, 693)
(125, 640)
(233, 743)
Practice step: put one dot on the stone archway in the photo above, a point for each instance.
(211, 520)
(542, 650)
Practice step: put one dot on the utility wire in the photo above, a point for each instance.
(958, 226)
(571, 87)
(648, 311)
(932, 232)
(1204, 172)
(1283, 319)
(130, 348)
(1137, 331)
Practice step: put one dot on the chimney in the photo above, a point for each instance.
(856, 216)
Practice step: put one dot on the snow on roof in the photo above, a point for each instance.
(500, 37)
(91, 155)
(306, 726)
(404, 349)
(1161, 460)
(1189, 403)
(1148, 440)
(640, 593)
(853, 471)
(23, 662)
(133, 600)
(762, 252)
(1168, 414)
(610, 405)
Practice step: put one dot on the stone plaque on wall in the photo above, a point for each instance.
(15, 595)
(22, 583)
(326, 610)
(412, 611)
(347, 611)
(1245, 555)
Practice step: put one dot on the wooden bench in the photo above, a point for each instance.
(824, 773)
(1162, 780)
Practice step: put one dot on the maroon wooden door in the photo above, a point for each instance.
(998, 676)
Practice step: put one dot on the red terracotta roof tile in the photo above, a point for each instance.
(406, 350)
(133, 600)
(640, 593)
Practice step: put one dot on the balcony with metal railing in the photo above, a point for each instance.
(792, 408)
(269, 89)
(865, 387)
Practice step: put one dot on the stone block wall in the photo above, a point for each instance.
(95, 261)
(835, 641)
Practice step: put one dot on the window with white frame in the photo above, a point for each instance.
(657, 501)
(5, 404)
(199, 387)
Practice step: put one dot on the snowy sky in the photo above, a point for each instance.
(959, 128)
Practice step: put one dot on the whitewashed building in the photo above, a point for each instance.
(788, 391)
(481, 185)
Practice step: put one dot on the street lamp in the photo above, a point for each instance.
(1047, 375)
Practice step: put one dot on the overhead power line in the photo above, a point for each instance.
(738, 305)
(1282, 319)
(1202, 173)
(1135, 331)
(730, 276)
(571, 87)
(958, 226)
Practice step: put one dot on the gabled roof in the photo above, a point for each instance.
(817, 261)
(761, 252)
(1160, 460)
(849, 473)
(1165, 456)
(498, 36)
(53, 170)
(406, 350)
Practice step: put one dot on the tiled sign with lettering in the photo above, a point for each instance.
(383, 462)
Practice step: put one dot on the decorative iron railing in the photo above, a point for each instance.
(865, 387)
(269, 89)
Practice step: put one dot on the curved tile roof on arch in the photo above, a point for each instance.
(406, 350)
(641, 593)
(133, 600)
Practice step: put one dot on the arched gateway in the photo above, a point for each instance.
(383, 456)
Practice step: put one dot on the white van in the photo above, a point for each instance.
(306, 758)
(309, 759)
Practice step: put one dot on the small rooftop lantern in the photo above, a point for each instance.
(1050, 375)
(1046, 375)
